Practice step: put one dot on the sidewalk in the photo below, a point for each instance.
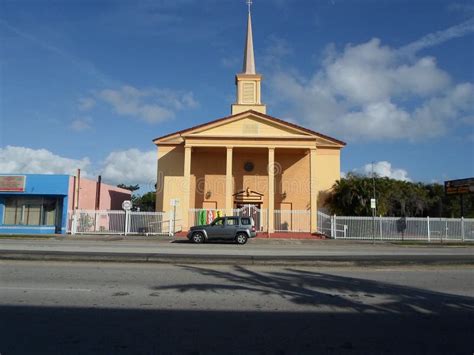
(256, 251)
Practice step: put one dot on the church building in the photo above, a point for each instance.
(248, 163)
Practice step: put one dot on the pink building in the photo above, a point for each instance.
(85, 194)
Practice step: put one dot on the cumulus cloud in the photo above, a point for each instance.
(131, 167)
(372, 91)
(385, 169)
(23, 160)
(149, 105)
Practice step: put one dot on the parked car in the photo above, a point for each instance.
(238, 229)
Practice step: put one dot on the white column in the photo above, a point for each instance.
(186, 187)
(271, 189)
(229, 190)
(313, 191)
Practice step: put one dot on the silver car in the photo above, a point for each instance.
(238, 229)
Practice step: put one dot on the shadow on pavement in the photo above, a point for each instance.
(49, 330)
(391, 320)
(319, 289)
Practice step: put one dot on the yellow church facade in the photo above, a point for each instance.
(248, 161)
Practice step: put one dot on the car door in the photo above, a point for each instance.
(231, 225)
(216, 229)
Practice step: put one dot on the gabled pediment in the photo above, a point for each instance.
(249, 124)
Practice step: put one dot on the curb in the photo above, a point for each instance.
(320, 260)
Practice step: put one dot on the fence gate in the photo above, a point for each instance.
(253, 211)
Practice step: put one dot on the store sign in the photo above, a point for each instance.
(12, 183)
(459, 187)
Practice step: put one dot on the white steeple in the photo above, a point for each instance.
(248, 82)
(249, 57)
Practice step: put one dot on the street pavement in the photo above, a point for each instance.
(264, 251)
(120, 308)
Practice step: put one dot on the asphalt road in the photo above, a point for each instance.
(90, 308)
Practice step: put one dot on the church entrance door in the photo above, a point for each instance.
(250, 210)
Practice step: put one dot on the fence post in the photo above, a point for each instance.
(127, 227)
(171, 223)
(74, 223)
(381, 232)
(462, 229)
(429, 231)
(333, 227)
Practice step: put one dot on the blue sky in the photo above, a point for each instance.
(90, 83)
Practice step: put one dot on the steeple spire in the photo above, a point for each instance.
(249, 57)
(248, 81)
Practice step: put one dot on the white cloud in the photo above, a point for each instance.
(151, 105)
(86, 103)
(131, 167)
(436, 38)
(81, 124)
(23, 160)
(384, 169)
(370, 91)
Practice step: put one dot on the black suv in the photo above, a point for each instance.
(235, 228)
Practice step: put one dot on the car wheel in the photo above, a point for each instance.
(241, 238)
(198, 238)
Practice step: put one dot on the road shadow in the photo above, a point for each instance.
(53, 330)
(321, 290)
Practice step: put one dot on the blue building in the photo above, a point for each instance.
(33, 204)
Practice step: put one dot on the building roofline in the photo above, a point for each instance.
(271, 118)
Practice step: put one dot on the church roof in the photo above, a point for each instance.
(255, 113)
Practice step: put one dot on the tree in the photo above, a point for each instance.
(145, 202)
(351, 196)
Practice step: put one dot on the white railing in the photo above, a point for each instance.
(292, 221)
(396, 228)
(121, 222)
(199, 216)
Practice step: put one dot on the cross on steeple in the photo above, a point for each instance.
(249, 4)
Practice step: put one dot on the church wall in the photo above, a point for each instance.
(208, 167)
(170, 176)
(328, 171)
(292, 189)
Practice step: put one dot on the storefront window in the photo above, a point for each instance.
(32, 211)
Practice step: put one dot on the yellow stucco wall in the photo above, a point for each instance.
(208, 175)
(170, 176)
(328, 171)
(292, 188)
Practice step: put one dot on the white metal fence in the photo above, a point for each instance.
(292, 221)
(121, 222)
(199, 216)
(396, 228)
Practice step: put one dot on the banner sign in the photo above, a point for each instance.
(459, 187)
(12, 183)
